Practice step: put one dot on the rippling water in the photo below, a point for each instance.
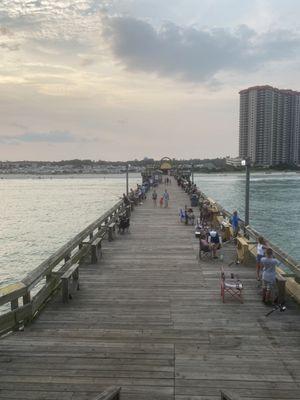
(37, 216)
(274, 203)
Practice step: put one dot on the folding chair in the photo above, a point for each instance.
(204, 251)
(233, 286)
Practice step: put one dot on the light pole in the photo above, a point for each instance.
(127, 182)
(192, 173)
(247, 163)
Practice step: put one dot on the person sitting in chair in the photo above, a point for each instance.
(124, 224)
(203, 245)
(191, 216)
(215, 242)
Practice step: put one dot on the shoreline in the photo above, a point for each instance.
(118, 174)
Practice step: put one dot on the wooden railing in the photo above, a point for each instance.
(28, 296)
(253, 234)
(283, 257)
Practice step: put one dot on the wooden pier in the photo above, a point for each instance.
(149, 318)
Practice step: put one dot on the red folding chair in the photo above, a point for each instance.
(233, 286)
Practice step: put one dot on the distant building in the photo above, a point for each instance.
(269, 126)
(234, 162)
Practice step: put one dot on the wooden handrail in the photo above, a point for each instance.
(45, 278)
(280, 254)
(41, 271)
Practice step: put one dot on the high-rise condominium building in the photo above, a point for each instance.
(270, 126)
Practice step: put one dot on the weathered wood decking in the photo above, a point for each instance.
(149, 318)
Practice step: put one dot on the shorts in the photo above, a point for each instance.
(267, 285)
(216, 246)
(259, 257)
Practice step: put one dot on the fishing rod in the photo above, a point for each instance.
(280, 307)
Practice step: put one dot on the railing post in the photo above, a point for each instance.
(14, 304)
(65, 290)
(76, 278)
(27, 298)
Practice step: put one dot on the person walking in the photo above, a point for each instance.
(166, 198)
(235, 223)
(269, 264)
(260, 253)
(161, 201)
(154, 198)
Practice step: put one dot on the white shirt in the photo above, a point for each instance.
(260, 250)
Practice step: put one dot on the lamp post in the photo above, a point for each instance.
(192, 173)
(127, 181)
(247, 163)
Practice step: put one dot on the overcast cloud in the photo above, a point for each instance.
(37, 137)
(70, 71)
(195, 54)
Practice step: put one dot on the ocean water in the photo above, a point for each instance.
(39, 215)
(274, 203)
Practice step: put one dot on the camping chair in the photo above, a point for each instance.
(204, 251)
(233, 286)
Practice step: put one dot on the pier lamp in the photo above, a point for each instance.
(192, 173)
(127, 180)
(247, 163)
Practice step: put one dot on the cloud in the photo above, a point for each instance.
(5, 31)
(11, 47)
(18, 125)
(40, 137)
(86, 62)
(7, 40)
(50, 19)
(195, 54)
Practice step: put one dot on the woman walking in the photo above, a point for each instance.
(154, 198)
(166, 199)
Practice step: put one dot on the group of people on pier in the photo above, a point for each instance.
(208, 231)
(163, 200)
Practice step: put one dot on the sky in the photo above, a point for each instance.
(125, 79)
